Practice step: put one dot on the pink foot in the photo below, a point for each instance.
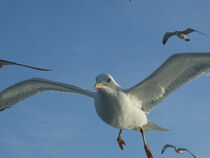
(121, 142)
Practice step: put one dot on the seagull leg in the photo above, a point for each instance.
(146, 148)
(120, 141)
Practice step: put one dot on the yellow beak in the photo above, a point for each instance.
(98, 86)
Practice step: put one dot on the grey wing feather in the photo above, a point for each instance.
(189, 30)
(27, 88)
(176, 71)
(192, 154)
(165, 147)
(167, 36)
(184, 149)
(5, 62)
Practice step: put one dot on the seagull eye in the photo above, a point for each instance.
(108, 80)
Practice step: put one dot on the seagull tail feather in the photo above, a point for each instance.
(150, 126)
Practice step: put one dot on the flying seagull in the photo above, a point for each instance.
(118, 107)
(180, 34)
(5, 62)
(178, 150)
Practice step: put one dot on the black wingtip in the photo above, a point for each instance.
(3, 109)
(46, 69)
(162, 151)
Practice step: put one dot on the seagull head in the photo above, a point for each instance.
(104, 81)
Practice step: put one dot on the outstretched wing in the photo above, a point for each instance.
(166, 36)
(27, 88)
(189, 30)
(4, 62)
(165, 147)
(176, 71)
(184, 149)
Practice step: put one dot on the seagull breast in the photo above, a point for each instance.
(117, 109)
(182, 36)
(180, 151)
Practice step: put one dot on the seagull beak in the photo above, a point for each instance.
(98, 86)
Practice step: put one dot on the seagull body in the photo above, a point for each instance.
(180, 34)
(123, 108)
(5, 62)
(178, 150)
(115, 108)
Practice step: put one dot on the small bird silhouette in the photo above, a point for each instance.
(5, 62)
(178, 150)
(180, 34)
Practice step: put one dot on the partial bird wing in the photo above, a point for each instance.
(27, 88)
(176, 71)
(189, 30)
(4, 62)
(165, 147)
(166, 36)
(184, 149)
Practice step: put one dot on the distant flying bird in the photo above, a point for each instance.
(178, 150)
(118, 107)
(180, 34)
(5, 62)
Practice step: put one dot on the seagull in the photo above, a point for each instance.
(5, 62)
(118, 107)
(178, 150)
(180, 34)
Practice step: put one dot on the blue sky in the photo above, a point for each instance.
(80, 39)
